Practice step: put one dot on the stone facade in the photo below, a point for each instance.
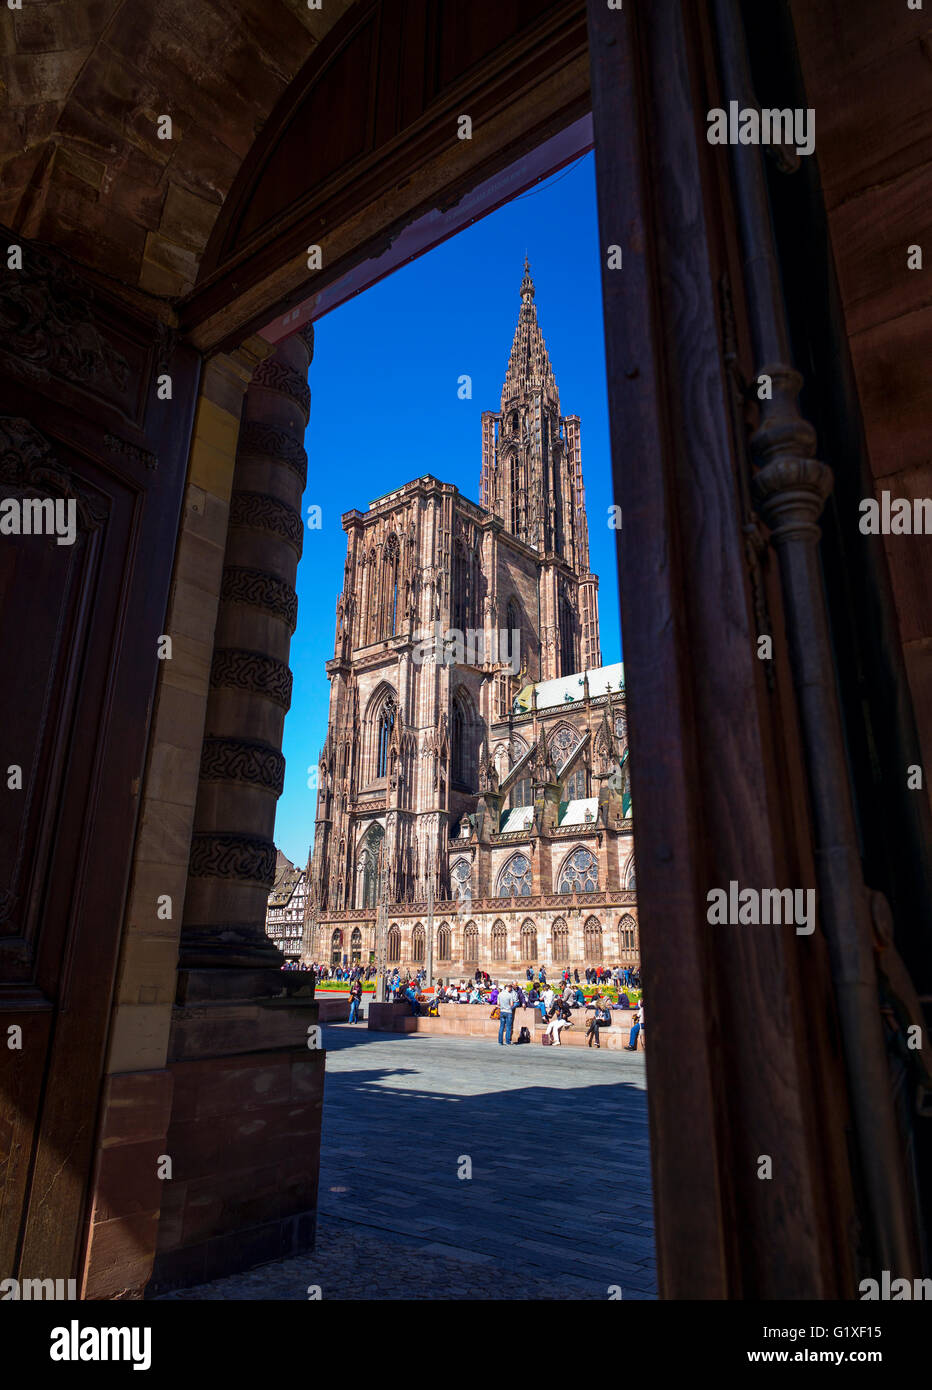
(476, 755)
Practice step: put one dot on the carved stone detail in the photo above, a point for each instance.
(116, 445)
(306, 334)
(270, 442)
(47, 327)
(241, 760)
(261, 590)
(245, 857)
(265, 513)
(252, 671)
(27, 462)
(272, 375)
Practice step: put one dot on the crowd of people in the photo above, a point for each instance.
(555, 1001)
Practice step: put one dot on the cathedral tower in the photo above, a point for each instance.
(532, 480)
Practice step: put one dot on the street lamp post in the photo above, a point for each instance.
(430, 919)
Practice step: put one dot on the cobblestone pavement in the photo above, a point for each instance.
(558, 1205)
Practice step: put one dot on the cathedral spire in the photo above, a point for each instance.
(529, 366)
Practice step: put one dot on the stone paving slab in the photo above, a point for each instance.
(558, 1205)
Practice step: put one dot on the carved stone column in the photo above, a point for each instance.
(232, 863)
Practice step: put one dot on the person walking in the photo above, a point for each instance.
(355, 996)
(506, 1005)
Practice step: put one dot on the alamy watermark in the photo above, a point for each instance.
(470, 647)
(768, 126)
(40, 516)
(756, 907)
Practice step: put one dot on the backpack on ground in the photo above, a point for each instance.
(524, 1036)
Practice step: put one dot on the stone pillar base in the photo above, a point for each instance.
(244, 1138)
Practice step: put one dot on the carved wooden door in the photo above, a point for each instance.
(80, 424)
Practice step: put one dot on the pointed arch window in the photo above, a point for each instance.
(580, 873)
(471, 944)
(385, 727)
(630, 879)
(528, 941)
(417, 944)
(462, 754)
(444, 943)
(460, 877)
(499, 941)
(560, 941)
(390, 587)
(592, 941)
(463, 583)
(369, 864)
(568, 663)
(515, 878)
(394, 945)
(515, 495)
(626, 935)
(356, 946)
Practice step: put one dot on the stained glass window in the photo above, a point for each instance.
(580, 873)
(460, 876)
(515, 880)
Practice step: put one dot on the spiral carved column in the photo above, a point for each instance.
(232, 863)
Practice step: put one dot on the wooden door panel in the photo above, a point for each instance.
(79, 627)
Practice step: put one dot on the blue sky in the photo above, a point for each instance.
(384, 409)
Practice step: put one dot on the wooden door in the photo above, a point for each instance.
(81, 423)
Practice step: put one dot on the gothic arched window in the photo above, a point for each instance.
(417, 944)
(356, 946)
(580, 873)
(560, 940)
(336, 946)
(462, 596)
(576, 785)
(499, 941)
(462, 751)
(444, 943)
(564, 742)
(522, 793)
(514, 628)
(471, 944)
(369, 864)
(394, 945)
(390, 587)
(592, 941)
(568, 664)
(460, 876)
(626, 935)
(528, 941)
(630, 880)
(384, 730)
(515, 495)
(515, 878)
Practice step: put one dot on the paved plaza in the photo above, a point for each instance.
(558, 1203)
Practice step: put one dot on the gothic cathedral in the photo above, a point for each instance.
(474, 778)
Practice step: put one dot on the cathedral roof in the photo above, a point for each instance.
(529, 366)
(574, 812)
(566, 689)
